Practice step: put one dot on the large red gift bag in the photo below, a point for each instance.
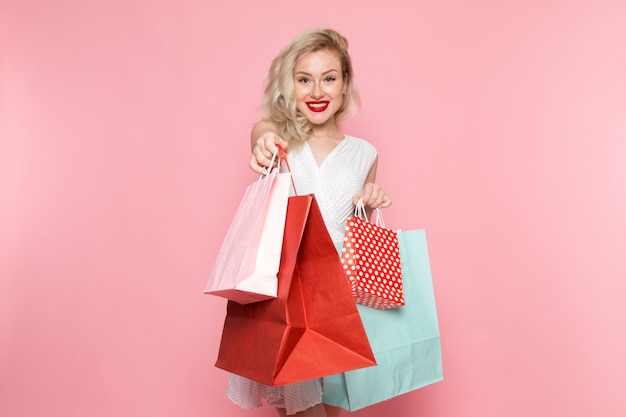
(313, 328)
(371, 259)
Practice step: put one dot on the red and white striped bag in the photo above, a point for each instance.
(371, 259)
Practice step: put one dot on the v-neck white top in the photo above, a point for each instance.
(335, 181)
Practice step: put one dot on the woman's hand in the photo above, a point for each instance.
(373, 197)
(264, 140)
(263, 151)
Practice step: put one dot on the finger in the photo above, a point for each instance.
(264, 146)
(268, 148)
(386, 202)
(254, 165)
(270, 142)
(258, 159)
(379, 199)
(366, 194)
(374, 202)
(268, 151)
(375, 197)
(264, 158)
(261, 165)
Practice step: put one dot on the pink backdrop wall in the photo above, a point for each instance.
(124, 129)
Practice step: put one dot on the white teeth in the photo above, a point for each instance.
(317, 106)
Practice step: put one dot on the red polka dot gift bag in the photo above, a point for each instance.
(371, 259)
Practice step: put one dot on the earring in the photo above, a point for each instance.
(344, 93)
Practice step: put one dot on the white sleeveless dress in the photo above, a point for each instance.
(334, 182)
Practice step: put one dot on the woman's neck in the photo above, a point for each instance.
(329, 130)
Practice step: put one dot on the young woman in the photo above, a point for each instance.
(310, 87)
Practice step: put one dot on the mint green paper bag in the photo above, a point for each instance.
(405, 340)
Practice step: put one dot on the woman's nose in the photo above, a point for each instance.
(317, 91)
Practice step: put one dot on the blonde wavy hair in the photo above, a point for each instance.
(279, 98)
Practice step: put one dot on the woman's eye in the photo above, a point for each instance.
(303, 80)
(330, 79)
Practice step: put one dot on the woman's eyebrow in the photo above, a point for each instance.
(324, 73)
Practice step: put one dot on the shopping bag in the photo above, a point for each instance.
(246, 266)
(405, 340)
(371, 259)
(312, 328)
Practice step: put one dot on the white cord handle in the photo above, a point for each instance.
(359, 211)
(270, 169)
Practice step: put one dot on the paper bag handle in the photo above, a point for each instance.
(359, 211)
(279, 153)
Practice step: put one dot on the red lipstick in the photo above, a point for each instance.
(317, 106)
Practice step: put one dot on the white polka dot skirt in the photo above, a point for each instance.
(371, 260)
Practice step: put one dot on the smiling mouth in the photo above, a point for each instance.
(317, 106)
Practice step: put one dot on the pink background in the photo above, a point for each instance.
(124, 125)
